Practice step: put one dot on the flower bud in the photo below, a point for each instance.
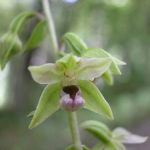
(71, 99)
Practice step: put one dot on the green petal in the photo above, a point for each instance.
(31, 114)
(119, 62)
(45, 74)
(94, 99)
(92, 68)
(99, 146)
(96, 124)
(107, 77)
(48, 104)
(115, 146)
(38, 35)
(125, 136)
(95, 52)
(68, 62)
(75, 43)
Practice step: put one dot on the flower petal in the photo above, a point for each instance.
(48, 104)
(125, 136)
(94, 99)
(45, 74)
(92, 68)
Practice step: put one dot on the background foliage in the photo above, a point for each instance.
(121, 28)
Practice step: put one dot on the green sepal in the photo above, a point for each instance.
(72, 148)
(75, 43)
(38, 35)
(94, 99)
(95, 52)
(45, 74)
(12, 46)
(96, 124)
(20, 21)
(48, 104)
(31, 114)
(107, 77)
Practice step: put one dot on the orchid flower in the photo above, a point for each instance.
(69, 87)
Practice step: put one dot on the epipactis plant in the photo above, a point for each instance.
(69, 86)
(70, 80)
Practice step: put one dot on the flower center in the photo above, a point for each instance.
(71, 90)
(69, 73)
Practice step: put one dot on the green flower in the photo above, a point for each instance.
(69, 86)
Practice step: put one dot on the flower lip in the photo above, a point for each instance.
(71, 90)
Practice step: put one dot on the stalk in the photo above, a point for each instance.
(75, 131)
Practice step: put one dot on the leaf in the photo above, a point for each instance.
(107, 77)
(119, 62)
(125, 136)
(31, 114)
(115, 146)
(92, 68)
(96, 124)
(75, 43)
(1, 50)
(48, 104)
(94, 99)
(95, 52)
(20, 21)
(38, 35)
(12, 46)
(72, 148)
(99, 146)
(45, 74)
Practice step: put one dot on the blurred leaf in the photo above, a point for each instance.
(94, 99)
(119, 62)
(45, 74)
(48, 104)
(20, 21)
(92, 68)
(72, 148)
(99, 146)
(75, 43)
(31, 114)
(1, 50)
(12, 46)
(95, 52)
(115, 146)
(97, 124)
(107, 77)
(125, 136)
(38, 35)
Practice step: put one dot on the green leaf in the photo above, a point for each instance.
(96, 124)
(94, 99)
(107, 77)
(20, 21)
(1, 50)
(115, 146)
(75, 43)
(68, 62)
(12, 46)
(31, 114)
(95, 52)
(38, 35)
(92, 68)
(119, 62)
(45, 74)
(48, 104)
(72, 148)
(99, 146)
(125, 136)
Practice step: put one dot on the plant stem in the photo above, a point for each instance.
(74, 131)
(51, 27)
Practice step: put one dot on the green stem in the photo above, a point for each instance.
(75, 131)
(51, 27)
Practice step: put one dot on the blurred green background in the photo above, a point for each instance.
(121, 27)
